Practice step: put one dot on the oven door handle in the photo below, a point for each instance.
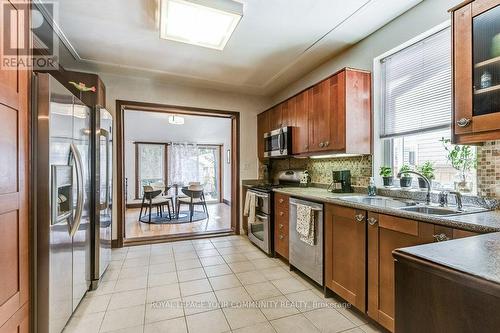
(262, 217)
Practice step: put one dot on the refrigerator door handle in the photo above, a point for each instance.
(79, 187)
(105, 134)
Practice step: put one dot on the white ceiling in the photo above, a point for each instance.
(276, 42)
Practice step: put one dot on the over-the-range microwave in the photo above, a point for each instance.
(278, 143)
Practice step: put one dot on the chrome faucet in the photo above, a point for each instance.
(428, 196)
(458, 195)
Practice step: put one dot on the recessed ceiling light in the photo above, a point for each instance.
(176, 120)
(207, 23)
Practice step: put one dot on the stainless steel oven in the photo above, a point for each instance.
(260, 231)
(278, 143)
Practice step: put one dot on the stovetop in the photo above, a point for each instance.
(266, 187)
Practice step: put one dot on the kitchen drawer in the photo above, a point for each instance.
(281, 202)
(281, 227)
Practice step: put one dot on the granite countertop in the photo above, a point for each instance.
(477, 256)
(482, 222)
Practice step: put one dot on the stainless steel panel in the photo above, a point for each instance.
(262, 202)
(306, 258)
(259, 232)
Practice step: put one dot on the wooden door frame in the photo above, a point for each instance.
(121, 107)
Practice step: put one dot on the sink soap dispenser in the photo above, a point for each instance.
(372, 189)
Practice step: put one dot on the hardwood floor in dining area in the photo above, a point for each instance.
(219, 219)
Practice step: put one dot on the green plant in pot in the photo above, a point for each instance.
(405, 180)
(386, 173)
(462, 159)
(427, 169)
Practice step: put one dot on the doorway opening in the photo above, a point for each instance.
(178, 172)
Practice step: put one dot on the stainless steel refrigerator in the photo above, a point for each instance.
(102, 171)
(62, 201)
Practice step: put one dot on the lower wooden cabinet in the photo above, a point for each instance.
(281, 216)
(385, 234)
(19, 322)
(345, 253)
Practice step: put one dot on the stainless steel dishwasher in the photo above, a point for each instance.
(307, 258)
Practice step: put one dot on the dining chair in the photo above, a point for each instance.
(165, 195)
(152, 198)
(194, 196)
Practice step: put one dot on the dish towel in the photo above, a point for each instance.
(306, 224)
(249, 209)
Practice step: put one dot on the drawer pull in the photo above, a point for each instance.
(281, 213)
(372, 221)
(359, 217)
(327, 143)
(464, 122)
(281, 237)
(321, 145)
(281, 201)
(440, 238)
(281, 226)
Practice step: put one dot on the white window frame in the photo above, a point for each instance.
(378, 143)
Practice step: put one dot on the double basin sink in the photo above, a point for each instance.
(411, 205)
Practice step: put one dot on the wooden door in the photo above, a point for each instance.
(385, 234)
(345, 253)
(319, 116)
(281, 224)
(337, 112)
(288, 112)
(476, 104)
(275, 120)
(262, 128)
(14, 168)
(300, 132)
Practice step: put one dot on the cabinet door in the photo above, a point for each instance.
(319, 117)
(275, 119)
(476, 51)
(288, 112)
(337, 112)
(281, 215)
(262, 128)
(385, 234)
(300, 133)
(345, 253)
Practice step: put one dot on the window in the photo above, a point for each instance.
(416, 106)
(151, 166)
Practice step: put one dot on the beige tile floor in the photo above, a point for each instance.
(208, 286)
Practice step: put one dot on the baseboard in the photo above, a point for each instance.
(227, 202)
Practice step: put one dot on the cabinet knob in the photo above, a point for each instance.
(306, 147)
(440, 238)
(281, 237)
(281, 226)
(372, 221)
(327, 143)
(321, 144)
(359, 217)
(464, 122)
(281, 213)
(281, 200)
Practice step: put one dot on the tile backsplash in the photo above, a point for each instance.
(488, 169)
(321, 169)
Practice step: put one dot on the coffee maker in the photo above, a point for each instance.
(341, 182)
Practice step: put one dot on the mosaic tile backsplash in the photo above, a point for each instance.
(488, 169)
(321, 169)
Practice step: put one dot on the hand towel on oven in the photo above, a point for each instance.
(249, 209)
(306, 224)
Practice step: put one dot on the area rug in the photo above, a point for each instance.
(183, 218)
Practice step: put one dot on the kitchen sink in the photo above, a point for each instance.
(380, 201)
(435, 210)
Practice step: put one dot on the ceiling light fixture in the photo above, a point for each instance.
(207, 23)
(175, 120)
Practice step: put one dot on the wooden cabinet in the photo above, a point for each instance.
(385, 234)
(300, 131)
(263, 126)
(476, 75)
(281, 225)
(345, 253)
(333, 116)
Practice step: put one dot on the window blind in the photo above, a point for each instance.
(416, 87)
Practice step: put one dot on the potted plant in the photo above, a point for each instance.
(426, 169)
(462, 159)
(405, 180)
(386, 173)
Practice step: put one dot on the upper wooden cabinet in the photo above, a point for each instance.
(334, 115)
(263, 126)
(476, 71)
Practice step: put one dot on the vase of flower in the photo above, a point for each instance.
(463, 159)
